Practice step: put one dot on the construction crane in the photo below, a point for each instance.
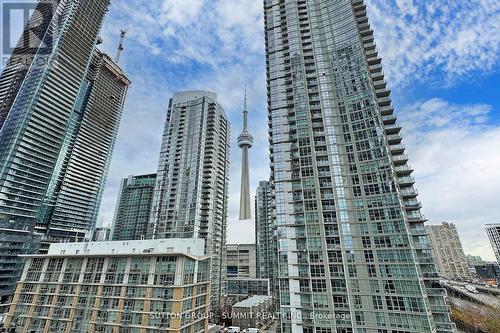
(120, 46)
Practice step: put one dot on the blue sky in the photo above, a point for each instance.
(440, 58)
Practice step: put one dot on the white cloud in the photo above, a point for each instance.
(436, 40)
(180, 11)
(219, 45)
(454, 154)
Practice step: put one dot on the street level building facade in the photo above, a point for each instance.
(133, 286)
(60, 105)
(191, 192)
(353, 252)
(448, 251)
(133, 207)
(493, 231)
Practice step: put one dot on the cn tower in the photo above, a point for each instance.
(245, 141)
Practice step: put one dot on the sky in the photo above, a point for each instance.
(441, 59)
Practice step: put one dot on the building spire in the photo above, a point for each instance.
(245, 112)
(245, 142)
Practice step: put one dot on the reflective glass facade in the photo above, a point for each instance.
(190, 199)
(493, 231)
(353, 251)
(265, 233)
(59, 113)
(71, 204)
(133, 207)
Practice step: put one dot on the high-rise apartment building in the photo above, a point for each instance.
(60, 105)
(133, 207)
(14, 241)
(353, 250)
(265, 232)
(191, 193)
(135, 286)
(72, 201)
(493, 231)
(448, 251)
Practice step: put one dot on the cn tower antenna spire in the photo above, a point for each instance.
(245, 112)
(245, 142)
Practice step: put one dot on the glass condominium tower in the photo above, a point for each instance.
(60, 105)
(353, 253)
(265, 232)
(191, 192)
(133, 207)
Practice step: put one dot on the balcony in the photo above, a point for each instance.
(397, 149)
(406, 181)
(383, 101)
(440, 308)
(418, 232)
(436, 292)
(403, 170)
(379, 82)
(392, 129)
(386, 110)
(383, 92)
(409, 192)
(378, 76)
(401, 158)
(416, 205)
(416, 218)
(389, 119)
(376, 68)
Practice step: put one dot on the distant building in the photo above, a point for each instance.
(191, 192)
(448, 251)
(114, 286)
(473, 260)
(253, 312)
(241, 260)
(238, 289)
(265, 233)
(493, 231)
(133, 207)
(488, 272)
(101, 234)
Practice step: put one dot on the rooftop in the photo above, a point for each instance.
(188, 246)
(252, 301)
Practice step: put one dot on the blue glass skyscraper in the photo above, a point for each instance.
(60, 106)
